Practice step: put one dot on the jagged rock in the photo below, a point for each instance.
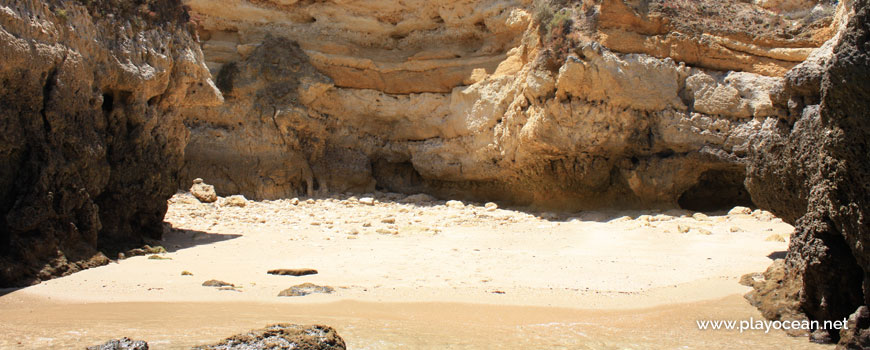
(90, 135)
(813, 173)
(856, 335)
(282, 336)
(305, 289)
(121, 344)
(203, 192)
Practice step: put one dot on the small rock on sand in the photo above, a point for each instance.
(305, 289)
(740, 211)
(202, 191)
(186, 273)
(490, 206)
(367, 201)
(294, 201)
(292, 272)
(236, 201)
(217, 283)
(683, 228)
(455, 204)
(700, 217)
(704, 232)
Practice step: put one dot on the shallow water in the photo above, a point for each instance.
(28, 322)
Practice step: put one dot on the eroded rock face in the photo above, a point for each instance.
(814, 172)
(470, 100)
(90, 135)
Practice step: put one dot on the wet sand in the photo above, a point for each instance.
(41, 324)
(419, 276)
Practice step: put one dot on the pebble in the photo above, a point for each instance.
(455, 204)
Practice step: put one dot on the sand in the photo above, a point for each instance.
(424, 275)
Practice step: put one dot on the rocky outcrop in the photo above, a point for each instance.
(90, 135)
(813, 170)
(121, 344)
(526, 103)
(283, 336)
(278, 336)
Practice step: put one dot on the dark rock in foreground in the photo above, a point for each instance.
(814, 172)
(283, 336)
(121, 344)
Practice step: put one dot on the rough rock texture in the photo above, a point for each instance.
(815, 172)
(121, 344)
(568, 105)
(283, 336)
(90, 135)
(203, 192)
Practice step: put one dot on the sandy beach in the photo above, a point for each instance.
(419, 274)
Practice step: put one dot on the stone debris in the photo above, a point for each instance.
(490, 206)
(203, 192)
(236, 201)
(367, 201)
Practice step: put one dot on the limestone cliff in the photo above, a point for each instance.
(582, 104)
(90, 134)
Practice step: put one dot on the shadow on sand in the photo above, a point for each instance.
(178, 239)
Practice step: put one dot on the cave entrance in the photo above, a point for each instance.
(399, 177)
(720, 189)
